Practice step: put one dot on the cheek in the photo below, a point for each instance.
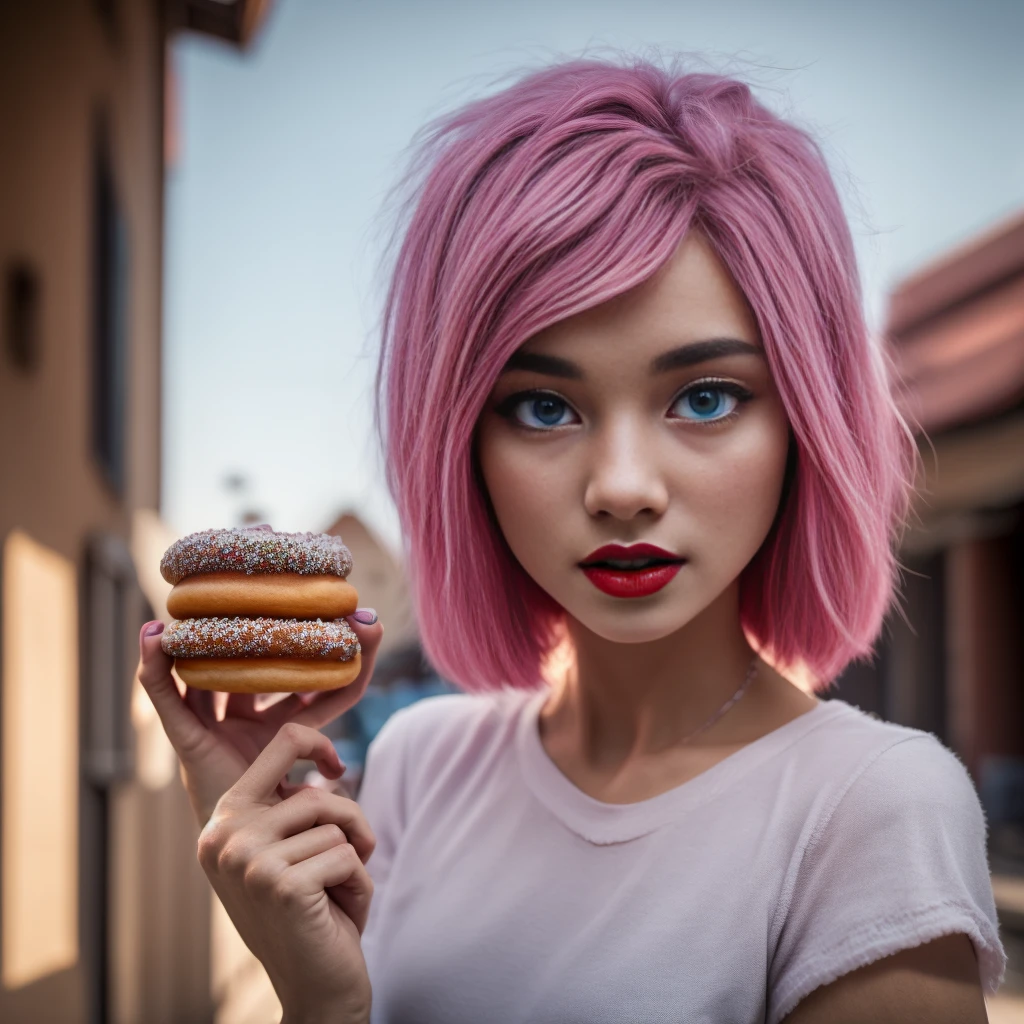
(743, 488)
(524, 491)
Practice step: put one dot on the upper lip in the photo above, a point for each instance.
(618, 552)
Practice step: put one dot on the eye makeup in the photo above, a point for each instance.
(508, 406)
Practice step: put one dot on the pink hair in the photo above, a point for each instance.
(569, 187)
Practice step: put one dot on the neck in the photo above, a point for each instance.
(621, 702)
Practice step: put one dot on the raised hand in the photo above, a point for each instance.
(213, 754)
(290, 873)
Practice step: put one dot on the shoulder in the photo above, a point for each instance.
(888, 771)
(853, 751)
(894, 855)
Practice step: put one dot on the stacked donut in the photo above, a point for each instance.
(255, 611)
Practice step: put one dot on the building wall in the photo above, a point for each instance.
(72, 73)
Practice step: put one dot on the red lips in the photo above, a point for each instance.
(621, 582)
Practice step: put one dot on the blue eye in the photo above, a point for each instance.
(546, 409)
(707, 403)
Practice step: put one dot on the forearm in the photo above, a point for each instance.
(327, 1015)
(343, 1012)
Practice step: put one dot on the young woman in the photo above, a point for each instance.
(630, 407)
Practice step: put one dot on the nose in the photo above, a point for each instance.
(625, 477)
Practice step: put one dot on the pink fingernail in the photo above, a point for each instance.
(153, 628)
(367, 616)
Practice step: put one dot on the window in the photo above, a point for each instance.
(109, 318)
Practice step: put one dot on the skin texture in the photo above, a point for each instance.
(629, 459)
(286, 861)
(620, 456)
(935, 983)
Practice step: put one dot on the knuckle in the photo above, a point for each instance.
(206, 853)
(233, 857)
(285, 891)
(211, 840)
(293, 732)
(334, 832)
(260, 876)
(312, 797)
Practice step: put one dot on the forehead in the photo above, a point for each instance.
(693, 296)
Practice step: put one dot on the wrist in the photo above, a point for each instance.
(352, 1009)
(333, 1014)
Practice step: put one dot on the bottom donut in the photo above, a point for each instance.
(267, 675)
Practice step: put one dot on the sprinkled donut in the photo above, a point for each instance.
(253, 550)
(256, 611)
(246, 638)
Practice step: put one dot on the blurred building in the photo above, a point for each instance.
(379, 580)
(955, 666)
(105, 915)
(401, 674)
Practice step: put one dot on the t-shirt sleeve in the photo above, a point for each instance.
(899, 860)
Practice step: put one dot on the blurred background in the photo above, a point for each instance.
(191, 219)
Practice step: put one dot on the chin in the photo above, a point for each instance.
(635, 624)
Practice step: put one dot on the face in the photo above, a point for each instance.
(651, 418)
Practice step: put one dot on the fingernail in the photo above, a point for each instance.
(367, 616)
(153, 628)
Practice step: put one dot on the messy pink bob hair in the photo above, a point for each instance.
(563, 190)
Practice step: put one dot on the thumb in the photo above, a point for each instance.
(155, 664)
(183, 728)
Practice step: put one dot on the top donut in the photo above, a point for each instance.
(255, 551)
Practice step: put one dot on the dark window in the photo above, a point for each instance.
(109, 319)
(106, 11)
(113, 610)
(21, 327)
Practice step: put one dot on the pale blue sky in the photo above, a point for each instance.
(273, 209)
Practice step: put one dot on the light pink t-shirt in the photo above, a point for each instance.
(506, 895)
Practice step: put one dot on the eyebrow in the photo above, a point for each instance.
(674, 359)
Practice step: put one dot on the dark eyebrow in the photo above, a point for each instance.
(685, 355)
(702, 351)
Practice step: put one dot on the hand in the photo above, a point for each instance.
(290, 873)
(215, 754)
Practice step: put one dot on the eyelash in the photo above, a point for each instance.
(507, 406)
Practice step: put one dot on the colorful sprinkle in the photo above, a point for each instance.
(255, 550)
(245, 638)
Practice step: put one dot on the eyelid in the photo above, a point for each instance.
(725, 383)
(507, 406)
(730, 387)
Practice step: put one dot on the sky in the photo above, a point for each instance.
(274, 204)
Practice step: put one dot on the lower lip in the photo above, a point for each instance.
(632, 582)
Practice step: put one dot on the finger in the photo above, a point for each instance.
(329, 705)
(308, 844)
(183, 726)
(200, 702)
(242, 705)
(311, 807)
(292, 742)
(287, 789)
(340, 873)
